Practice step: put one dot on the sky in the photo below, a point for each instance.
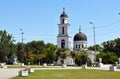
(39, 19)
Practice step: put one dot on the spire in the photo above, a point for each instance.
(79, 29)
(63, 9)
(64, 14)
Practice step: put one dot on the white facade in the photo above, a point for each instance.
(67, 61)
(63, 20)
(91, 55)
(63, 42)
(64, 29)
(79, 45)
(64, 38)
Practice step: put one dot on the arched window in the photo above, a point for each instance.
(63, 43)
(62, 30)
(63, 21)
(79, 45)
(76, 45)
(82, 46)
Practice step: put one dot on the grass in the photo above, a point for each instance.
(71, 74)
(15, 66)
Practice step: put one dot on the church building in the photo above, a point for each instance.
(64, 39)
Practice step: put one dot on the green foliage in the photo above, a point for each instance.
(117, 46)
(81, 59)
(20, 52)
(31, 61)
(73, 54)
(5, 59)
(60, 53)
(63, 55)
(36, 46)
(51, 54)
(6, 45)
(108, 57)
(108, 46)
(34, 51)
(89, 62)
(97, 47)
(112, 46)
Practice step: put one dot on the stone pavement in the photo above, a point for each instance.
(8, 73)
(94, 68)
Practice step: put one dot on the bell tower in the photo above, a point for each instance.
(64, 38)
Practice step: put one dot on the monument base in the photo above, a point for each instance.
(100, 65)
(118, 66)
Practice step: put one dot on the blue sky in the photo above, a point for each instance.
(39, 18)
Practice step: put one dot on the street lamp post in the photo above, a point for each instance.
(94, 36)
(22, 38)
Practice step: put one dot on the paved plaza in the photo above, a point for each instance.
(8, 73)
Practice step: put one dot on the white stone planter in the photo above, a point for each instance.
(2, 64)
(23, 73)
(29, 70)
(84, 67)
(22, 64)
(64, 66)
(44, 64)
(15, 63)
(5, 66)
(118, 66)
(100, 65)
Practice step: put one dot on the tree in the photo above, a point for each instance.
(112, 46)
(30, 57)
(36, 49)
(11, 58)
(59, 51)
(6, 59)
(36, 46)
(73, 55)
(6, 45)
(50, 55)
(98, 48)
(117, 46)
(20, 52)
(108, 46)
(63, 55)
(81, 59)
(107, 57)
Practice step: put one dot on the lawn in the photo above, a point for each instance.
(72, 74)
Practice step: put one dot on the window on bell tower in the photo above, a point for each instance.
(62, 30)
(82, 46)
(79, 45)
(63, 21)
(62, 43)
